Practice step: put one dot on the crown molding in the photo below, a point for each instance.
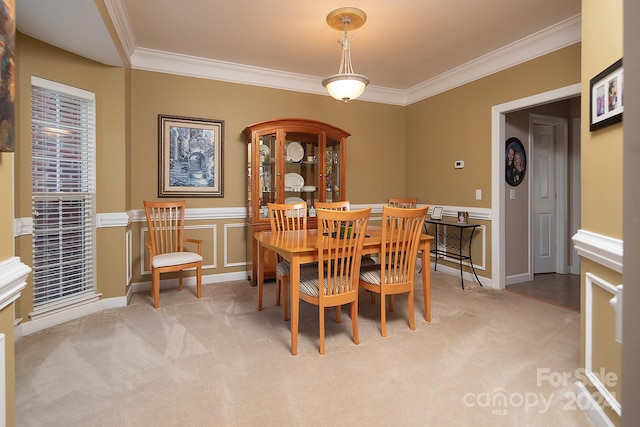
(555, 37)
(558, 36)
(122, 25)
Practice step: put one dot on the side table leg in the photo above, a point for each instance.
(435, 263)
(460, 257)
(470, 259)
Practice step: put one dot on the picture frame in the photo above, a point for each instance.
(515, 162)
(606, 97)
(190, 157)
(463, 217)
(436, 213)
(7, 77)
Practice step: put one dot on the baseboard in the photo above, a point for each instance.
(587, 403)
(32, 326)
(467, 276)
(517, 278)
(187, 281)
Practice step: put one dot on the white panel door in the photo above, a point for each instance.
(543, 199)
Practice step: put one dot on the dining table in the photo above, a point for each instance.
(299, 247)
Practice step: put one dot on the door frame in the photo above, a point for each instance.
(561, 171)
(498, 113)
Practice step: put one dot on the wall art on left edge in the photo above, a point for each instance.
(7, 73)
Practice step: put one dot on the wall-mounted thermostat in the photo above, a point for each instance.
(458, 164)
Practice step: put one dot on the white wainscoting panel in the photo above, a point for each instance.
(592, 280)
(227, 227)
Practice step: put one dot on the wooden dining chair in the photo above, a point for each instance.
(406, 203)
(333, 206)
(287, 217)
(339, 254)
(401, 229)
(166, 245)
(343, 206)
(410, 202)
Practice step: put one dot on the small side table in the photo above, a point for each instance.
(454, 251)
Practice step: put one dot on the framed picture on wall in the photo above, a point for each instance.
(606, 97)
(515, 162)
(7, 73)
(190, 157)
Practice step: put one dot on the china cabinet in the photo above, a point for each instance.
(291, 160)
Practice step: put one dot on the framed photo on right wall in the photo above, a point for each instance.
(606, 100)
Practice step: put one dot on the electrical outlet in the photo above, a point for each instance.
(478, 194)
(458, 164)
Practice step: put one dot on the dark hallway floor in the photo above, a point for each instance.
(558, 289)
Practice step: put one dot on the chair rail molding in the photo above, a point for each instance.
(602, 249)
(13, 279)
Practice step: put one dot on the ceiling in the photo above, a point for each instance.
(403, 46)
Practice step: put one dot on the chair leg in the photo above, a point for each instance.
(284, 283)
(373, 297)
(321, 310)
(180, 280)
(354, 322)
(155, 288)
(199, 281)
(412, 324)
(390, 303)
(278, 286)
(338, 311)
(383, 315)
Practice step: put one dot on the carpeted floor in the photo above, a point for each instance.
(484, 360)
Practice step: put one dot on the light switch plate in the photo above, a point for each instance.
(512, 194)
(478, 194)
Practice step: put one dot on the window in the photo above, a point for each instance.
(63, 196)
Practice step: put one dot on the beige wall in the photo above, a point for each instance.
(601, 154)
(6, 201)
(6, 251)
(456, 125)
(371, 177)
(375, 151)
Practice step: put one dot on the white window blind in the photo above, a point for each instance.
(63, 195)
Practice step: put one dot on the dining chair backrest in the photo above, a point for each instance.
(401, 229)
(288, 216)
(333, 206)
(340, 250)
(166, 226)
(409, 202)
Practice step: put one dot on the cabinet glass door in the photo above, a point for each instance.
(267, 172)
(332, 170)
(301, 180)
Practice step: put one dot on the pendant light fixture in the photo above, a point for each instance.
(346, 85)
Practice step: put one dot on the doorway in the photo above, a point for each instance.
(498, 112)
